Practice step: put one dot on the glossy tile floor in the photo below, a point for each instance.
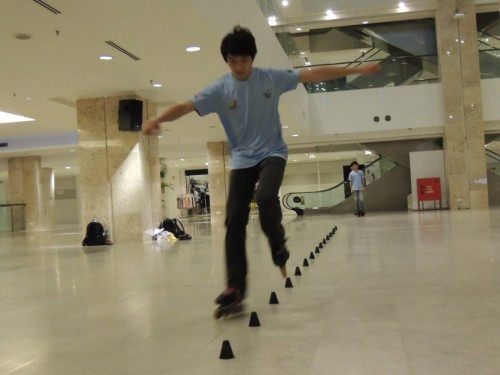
(392, 293)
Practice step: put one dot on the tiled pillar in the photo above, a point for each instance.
(218, 175)
(24, 187)
(47, 185)
(461, 81)
(119, 171)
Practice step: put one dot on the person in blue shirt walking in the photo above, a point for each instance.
(357, 182)
(246, 101)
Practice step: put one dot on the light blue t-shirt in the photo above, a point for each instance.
(357, 179)
(248, 111)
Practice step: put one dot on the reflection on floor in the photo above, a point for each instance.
(392, 293)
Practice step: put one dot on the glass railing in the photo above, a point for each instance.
(333, 196)
(493, 161)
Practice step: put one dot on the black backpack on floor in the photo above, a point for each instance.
(175, 227)
(95, 235)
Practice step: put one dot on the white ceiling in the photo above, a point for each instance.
(60, 64)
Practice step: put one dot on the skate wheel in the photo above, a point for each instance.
(284, 273)
(218, 313)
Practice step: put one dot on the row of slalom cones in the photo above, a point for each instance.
(226, 351)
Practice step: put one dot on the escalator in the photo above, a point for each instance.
(493, 174)
(388, 181)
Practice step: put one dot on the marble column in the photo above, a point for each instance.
(47, 185)
(218, 175)
(24, 187)
(119, 171)
(461, 81)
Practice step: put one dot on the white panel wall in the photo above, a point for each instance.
(410, 107)
(491, 108)
(66, 206)
(426, 164)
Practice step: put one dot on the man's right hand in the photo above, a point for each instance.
(151, 127)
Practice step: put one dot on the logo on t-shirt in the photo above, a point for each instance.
(233, 104)
(268, 94)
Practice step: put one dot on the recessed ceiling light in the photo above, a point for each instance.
(28, 98)
(182, 159)
(294, 160)
(7, 118)
(284, 3)
(206, 164)
(271, 21)
(330, 15)
(365, 22)
(285, 126)
(67, 167)
(157, 85)
(302, 53)
(160, 137)
(106, 57)
(298, 28)
(193, 49)
(295, 135)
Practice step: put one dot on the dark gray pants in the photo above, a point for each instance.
(269, 174)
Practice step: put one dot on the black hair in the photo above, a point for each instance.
(240, 42)
(354, 163)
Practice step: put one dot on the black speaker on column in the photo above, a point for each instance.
(130, 115)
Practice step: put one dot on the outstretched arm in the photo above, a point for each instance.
(171, 114)
(327, 73)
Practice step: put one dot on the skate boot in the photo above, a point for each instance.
(230, 302)
(280, 257)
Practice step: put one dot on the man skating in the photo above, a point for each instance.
(246, 101)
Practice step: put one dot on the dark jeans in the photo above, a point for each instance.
(269, 174)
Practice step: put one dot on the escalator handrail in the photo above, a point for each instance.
(283, 200)
(495, 155)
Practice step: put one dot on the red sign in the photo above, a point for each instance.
(429, 189)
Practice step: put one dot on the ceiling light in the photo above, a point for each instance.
(71, 150)
(206, 164)
(160, 136)
(295, 135)
(67, 167)
(285, 126)
(157, 85)
(312, 156)
(365, 22)
(193, 49)
(298, 28)
(330, 15)
(272, 21)
(28, 98)
(368, 152)
(7, 118)
(106, 57)
(294, 160)
(307, 63)
(182, 159)
(402, 7)
(284, 3)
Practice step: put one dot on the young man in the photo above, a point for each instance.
(246, 101)
(357, 183)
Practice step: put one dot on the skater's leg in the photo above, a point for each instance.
(361, 202)
(241, 188)
(356, 199)
(271, 171)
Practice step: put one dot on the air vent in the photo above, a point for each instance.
(122, 50)
(4, 144)
(47, 6)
